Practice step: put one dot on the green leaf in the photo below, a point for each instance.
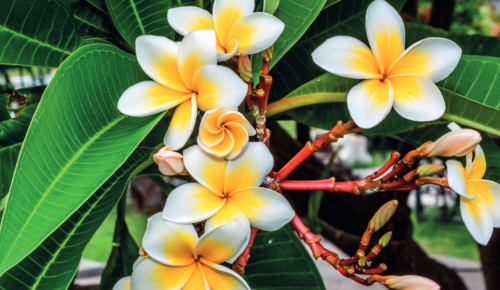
(279, 260)
(270, 6)
(36, 33)
(77, 139)
(329, 3)
(297, 67)
(8, 160)
(134, 18)
(474, 44)
(297, 16)
(99, 4)
(124, 252)
(91, 23)
(53, 264)
(179, 3)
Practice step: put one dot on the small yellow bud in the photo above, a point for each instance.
(382, 215)
(267, 54)
(384, 240)
(429, 169)
(169, 162)
(362, 261)
(455, 143)
(245, 67)
(409, 282)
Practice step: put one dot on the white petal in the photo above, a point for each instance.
(478, 218)
(248, 169)
(433, 58)
(208, 170)
(255, 32)
(265, 209)
(490, 191)
(148, 98)
(454, 126)
(227, 13)
(347, 57)
(220, 277)
(196, 50)
(168, 242)
(182, 124)
(221, 243)
(218, 87)
(150, 274)
(417, 98)
(386, 33)
(221, 56)
(369, 102)
(191, 203)
(123, 284)
(157, 56)
(186, 19)
(456, 179)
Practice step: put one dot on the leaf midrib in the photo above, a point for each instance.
(136, 13)
(64, 169)
(67, 52)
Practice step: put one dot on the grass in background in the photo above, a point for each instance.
(443, 238)
(99, 247)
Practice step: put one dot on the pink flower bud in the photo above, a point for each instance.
(169, 162)
(455, 143)
(409, 282)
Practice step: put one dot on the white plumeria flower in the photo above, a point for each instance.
(393, 76)
(238, 28)
(479, 198)
(178, 259)
(224, 132)
(227, 190)
(186, 76)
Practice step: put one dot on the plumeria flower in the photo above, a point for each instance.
(459, 142)
(238, 28)
(184, 75)
(479, 198)
(169, 162)
(392, 76)
(227, 190)
(178, 259)
(224, 132)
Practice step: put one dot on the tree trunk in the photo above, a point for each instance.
(442, 14)
(348, 216)
(490, 255)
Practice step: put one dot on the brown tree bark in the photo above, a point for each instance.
(347, 216)
(409, 12)
(490, 255)
(442, 14)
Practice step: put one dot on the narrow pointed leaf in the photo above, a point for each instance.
(77, 139)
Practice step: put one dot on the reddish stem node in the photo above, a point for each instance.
(242, 260)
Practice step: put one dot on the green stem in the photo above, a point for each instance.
(199, 3)
(304, 100)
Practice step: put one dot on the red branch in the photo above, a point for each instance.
(242, 260)
(394, 158)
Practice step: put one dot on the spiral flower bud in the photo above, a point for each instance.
(169, 162)
(455, 143)
(409, 282)
(245, 67)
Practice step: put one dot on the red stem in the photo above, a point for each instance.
(242, 260)
(394, 158)
(330, 185)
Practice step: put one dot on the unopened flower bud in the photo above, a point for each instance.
(169, 162)
(245, 67)
(362, 261)
(455, 143)
(409, 282)
(384, 240)
(429, 169)
(267, 54)
(382, 215)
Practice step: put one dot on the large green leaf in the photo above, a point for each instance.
(99, 4)
(471, 44)
(89, 22)
(8, 160)
(36, 33)
(76, 141)
(134, 18)
(297, 16)
(296, 67)
(53, 264)
(279, 260)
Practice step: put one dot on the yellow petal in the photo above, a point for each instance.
(150, 274)
(235, 116)
(456, 179)
(206, 169)
(168, 242)
(433, 58)
(196, 50)
(490, 191)
(157, 56)
(147, 98)
(386, 33)
(182, 124)
(348, 57)
(191, 203)
(197, 281)
(240, 138)
(417, 98)
(248, 169)
(222, 278)
(227, 13)
(254, 33)
(211, 119)
(221, 243)
(478, 165)
(478, 218)
(222, 149)
(369, 102)
(210, 139)
(186, 19)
